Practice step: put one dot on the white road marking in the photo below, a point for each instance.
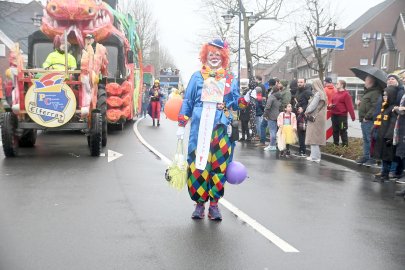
(112, 155)
(283, 245)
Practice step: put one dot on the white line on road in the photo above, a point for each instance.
(283, 245)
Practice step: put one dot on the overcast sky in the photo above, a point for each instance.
(180, 22)
(178, 31)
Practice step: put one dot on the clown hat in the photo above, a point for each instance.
(217, 43)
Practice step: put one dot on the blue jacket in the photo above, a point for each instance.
(192, 107)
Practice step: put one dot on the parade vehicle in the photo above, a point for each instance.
(103, 89)
(117, 32)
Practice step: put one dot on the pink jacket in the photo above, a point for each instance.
(280, 120)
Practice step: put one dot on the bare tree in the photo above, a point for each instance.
(146, 23)
(262, 10)
(320, 24)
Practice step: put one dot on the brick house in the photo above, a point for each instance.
(363, 38)
(390, 55)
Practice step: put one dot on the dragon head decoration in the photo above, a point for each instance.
(78, 18)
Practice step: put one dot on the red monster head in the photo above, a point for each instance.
(78, 18)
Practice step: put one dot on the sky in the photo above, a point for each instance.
(180, 22)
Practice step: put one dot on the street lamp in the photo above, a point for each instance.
(228, 19)
(366, 42)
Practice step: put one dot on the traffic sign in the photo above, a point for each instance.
(335, 43)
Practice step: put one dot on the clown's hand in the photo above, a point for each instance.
(180, 132)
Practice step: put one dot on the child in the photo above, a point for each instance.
(287, 123)
(301, 130)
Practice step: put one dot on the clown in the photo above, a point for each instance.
(210, 95)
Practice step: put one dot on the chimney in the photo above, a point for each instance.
(287, 49)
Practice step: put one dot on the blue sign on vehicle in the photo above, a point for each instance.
(335, 43)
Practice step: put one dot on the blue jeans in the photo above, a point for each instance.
(273, 131)
(263, 127)
(366, 130)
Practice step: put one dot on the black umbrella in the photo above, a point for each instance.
(362, 72)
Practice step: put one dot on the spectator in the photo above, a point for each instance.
(301, 131)
(316, 115)
(271, 112)
(259, 109)
(394, 82)
(244, 120)
(260, 84)
(287, 124)
(384, 148)
(285, 96)
(330, 89)
(155, 95)
(367, 105)
(145, 100)
(252, 109)
(304, 93)
(293, 91)
(264, 122)
(340, 105)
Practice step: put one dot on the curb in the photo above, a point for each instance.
(345, 162)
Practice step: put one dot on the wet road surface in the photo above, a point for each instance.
(62, 209)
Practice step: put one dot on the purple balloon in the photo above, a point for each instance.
(236, 173)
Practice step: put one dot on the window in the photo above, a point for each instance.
(363, 62)
(2, 50)
(399, 60)
(365, 36)
(315, 71)
(288, 65)
(377, 36)
(384, 59)
(330, 66)
(40, 53)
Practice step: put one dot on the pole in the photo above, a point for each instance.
(66, 54)
(375, 47)
(240, 30)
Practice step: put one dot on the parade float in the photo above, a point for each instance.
(104, 89)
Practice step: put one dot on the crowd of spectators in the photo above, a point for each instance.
(305, 107)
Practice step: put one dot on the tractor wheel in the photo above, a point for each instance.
(102, 106)
(96, 134)
(28, 139)
(9, 137)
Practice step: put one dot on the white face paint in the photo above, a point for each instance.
(214, 60)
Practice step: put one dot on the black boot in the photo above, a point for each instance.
(158, 124)
(153, 122)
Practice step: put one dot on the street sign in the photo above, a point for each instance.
(335, 43)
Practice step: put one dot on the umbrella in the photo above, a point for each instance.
(362, 72)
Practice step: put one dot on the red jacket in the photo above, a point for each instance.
(342, 104)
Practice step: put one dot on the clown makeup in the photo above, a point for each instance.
(214, 59)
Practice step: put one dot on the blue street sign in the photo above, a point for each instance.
(335, 43)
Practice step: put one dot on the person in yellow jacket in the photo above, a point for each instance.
(56, 59)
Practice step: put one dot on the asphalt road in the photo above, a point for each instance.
(62, 209)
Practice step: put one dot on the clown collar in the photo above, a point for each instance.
(207, 72)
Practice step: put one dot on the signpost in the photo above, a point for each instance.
(334, 43)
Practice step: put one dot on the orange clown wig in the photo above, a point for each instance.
(215, 46)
